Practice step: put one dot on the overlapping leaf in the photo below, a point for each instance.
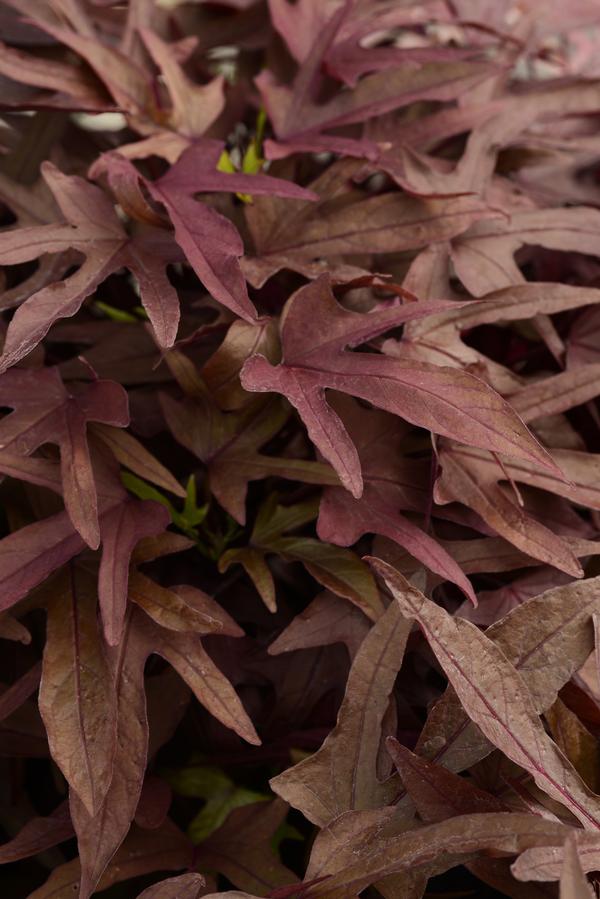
(315, 332)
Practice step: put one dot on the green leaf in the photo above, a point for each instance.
(219, 792)
(143, 490)
(115, 315)
(256, 568)
(192, 513)
(273, 520)
(225, 163)
(337, 568)
(199, 781)
(216, 811)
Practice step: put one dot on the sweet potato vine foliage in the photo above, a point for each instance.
(300, 449)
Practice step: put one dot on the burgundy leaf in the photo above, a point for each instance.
(483, 679)
(423, 395)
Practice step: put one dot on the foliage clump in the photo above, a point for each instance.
(300, 448)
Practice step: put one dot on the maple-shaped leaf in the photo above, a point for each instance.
(315, 333)
(437, 339)
(66, 86)
(194, 107)
(483, 686)
(45, 411)
(128, 84)
(391, 483)
(93, 228)
(184, 114)
(32, 553)
(340, 570)
(241, 849)
(343, 53)
(342, 775)
(484, 256)
(325, 236)
(209, 240)
(295, 114)
(99, 835)
(229, 442)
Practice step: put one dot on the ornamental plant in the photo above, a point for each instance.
(300, 449)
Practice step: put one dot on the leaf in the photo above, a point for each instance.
(221, 372)
(45, 412)
(436, 792)
(389, 485)
(339, 570)
(230, 446)
(37, 835)
(373, 96)
(186, 520)
(19, 692)
(168, 607)
(76, 691)
(483, 257)
(546, 863)
(94, 229)
(154, 803)
(472, 478)
(122, 527)
(194, 107)
(241, 850)
(299, 237)
(456, 840)
(100, 835)
(546, 656)
(327, 619)
(144, 852)
(221, 795)
(575, 741)
(342, 774)
(573, 882)
(424, 395)
(483, 678)
(210, 242)
(185, 653)
(133, 455)
(125, 81)
(52, 74)
(32, 553)
(186, 886)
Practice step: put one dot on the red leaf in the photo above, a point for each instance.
(315, 332)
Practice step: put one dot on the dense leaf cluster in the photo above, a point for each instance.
(300, 448)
